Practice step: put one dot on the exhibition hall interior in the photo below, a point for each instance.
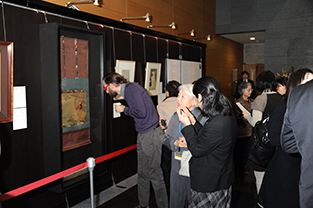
(63, 144)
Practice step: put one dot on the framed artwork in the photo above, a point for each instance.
(127, 70)
(73, 116)
(152, 81)
(75, 104)
(6, 82)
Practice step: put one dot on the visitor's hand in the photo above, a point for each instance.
(185, 116)
(119, 108)
(181, 112)
(181, 142)
(245, 115)
(160, 123)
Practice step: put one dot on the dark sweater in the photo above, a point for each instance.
(140, 107)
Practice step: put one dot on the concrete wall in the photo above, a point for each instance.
(254, 53)
(288, 27)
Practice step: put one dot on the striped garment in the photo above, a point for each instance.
(217, 199)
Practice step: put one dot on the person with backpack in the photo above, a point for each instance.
(280, 186)
(261, 107)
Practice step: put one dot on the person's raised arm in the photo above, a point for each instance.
(185, 116)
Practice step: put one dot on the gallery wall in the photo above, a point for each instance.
(24, 157)
(222, 55)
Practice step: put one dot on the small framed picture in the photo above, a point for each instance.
(127, 70)
(152, 81)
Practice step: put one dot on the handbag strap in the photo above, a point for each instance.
(271, 101)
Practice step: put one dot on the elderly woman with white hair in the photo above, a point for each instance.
(180, 182)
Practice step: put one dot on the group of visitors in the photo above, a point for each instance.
(203, 129)
(277, 184)
(204, 140)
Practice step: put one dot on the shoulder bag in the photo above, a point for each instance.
(261, 152)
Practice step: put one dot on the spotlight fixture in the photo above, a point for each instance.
(172, 25)
(208, 38)
(191, 33)
(147, 18)
(252, 38)
(71, 3)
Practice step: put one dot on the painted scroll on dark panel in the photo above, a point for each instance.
(74, 93)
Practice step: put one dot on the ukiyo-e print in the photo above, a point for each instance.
(152, 81)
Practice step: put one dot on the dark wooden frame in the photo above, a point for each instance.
(6, 77)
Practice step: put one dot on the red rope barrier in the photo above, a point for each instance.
(49, 179)
(114, 154)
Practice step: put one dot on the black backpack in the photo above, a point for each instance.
(261, 152)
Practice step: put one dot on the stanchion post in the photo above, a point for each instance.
(91, 164)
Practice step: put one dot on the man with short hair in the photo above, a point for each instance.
(149, 139)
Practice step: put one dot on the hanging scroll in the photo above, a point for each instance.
(74, 93)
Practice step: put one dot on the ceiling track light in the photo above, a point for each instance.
(252, 38)
(71, 5)
(147, 18)
(172, 25)
(191, 33)
(208, 38)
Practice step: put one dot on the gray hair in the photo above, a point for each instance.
(187, 88)
(243, 86)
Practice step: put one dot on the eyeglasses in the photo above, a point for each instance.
(106, 87)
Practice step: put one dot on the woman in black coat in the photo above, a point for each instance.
(211, 145)
(280, 186)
